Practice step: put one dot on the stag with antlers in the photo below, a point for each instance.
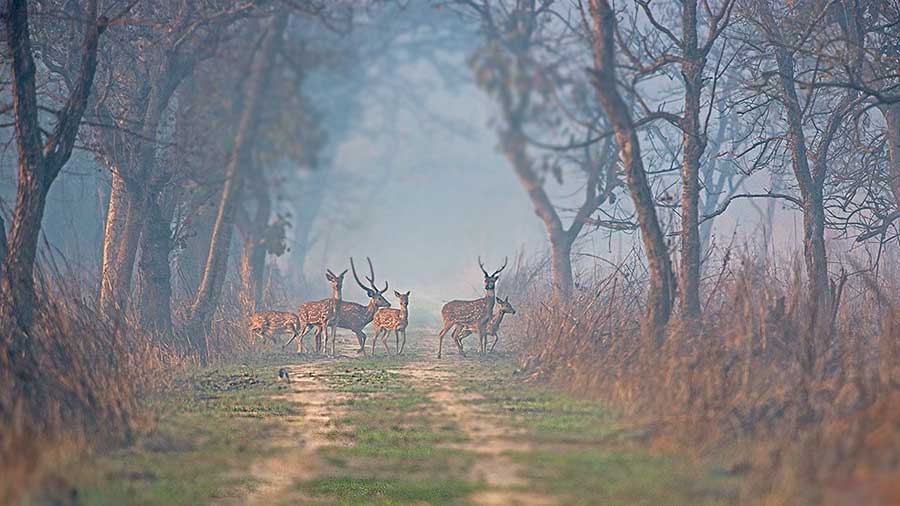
(356, 316)
(471, 313)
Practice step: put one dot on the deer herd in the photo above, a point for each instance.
(465, 317)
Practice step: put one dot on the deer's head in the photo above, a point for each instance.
(375, 295)
(505, 306)
(490, 280)
(337, 280)
(403, 298)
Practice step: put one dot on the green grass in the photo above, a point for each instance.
(354, 491)
(209, 432)
(399, 454)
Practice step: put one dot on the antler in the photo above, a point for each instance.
(505, 261)
(481, 265)
(358, 282)
(372, 279)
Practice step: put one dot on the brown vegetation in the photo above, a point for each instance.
(812, 408)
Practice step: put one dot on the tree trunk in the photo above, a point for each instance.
(892, 119)
(561, 265)
(155, 271)
(217, 261)
(253, 253)
(659, 303)
(120, 243)
(2, 241)
(693, 144)
(38, 167)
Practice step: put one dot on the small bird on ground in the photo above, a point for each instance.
(283, 374)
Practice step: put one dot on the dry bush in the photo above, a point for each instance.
(92, 378)
(812, 391)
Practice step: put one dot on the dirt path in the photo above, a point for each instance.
(296, 449)
(417, 431)
(486, 435)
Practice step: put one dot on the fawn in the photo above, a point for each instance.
(270, 323)
(492, 328)
(475, 313)
(321, 314)
(387, 319)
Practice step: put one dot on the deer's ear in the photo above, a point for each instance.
(396, 293)
(328, 276)
(408, 292)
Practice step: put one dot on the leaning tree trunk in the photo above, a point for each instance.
(811, 182)
(659, 297)
(208, 295)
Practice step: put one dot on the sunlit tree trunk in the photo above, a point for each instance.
(120, 244)
(659, 304)
(208, 295)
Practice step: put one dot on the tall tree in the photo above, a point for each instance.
(659, 306)
(207, 297)
(39, 163)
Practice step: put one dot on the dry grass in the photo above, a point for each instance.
(808, 397)
(87, 391)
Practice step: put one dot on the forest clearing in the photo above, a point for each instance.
(450, 252)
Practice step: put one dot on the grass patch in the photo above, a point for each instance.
(213, 426)
(602, 476)
(399, 453)
(389, 492)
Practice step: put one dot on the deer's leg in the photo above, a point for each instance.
(375, 338)
(496, 338)
(441, 337)
(461, 333)
(361, 337)
(384, 340)
(397, 341)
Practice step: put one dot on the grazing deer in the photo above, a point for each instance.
(475, 313)
(492, 328)
(321, 314)
(387, 319)
(356, 316)
(270, 323)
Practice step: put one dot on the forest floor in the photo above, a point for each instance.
(389, 430)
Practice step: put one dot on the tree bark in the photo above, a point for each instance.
(810, 182)
(561, 264)
(120, 244)
(207, 298)
(694, 144)
(891, 114)
(155, 270)
(2, 241)
(253, 253)
(659, 304)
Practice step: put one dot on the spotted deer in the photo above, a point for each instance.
(270, 323)
(475, 313)
(492, 328)
(356, 316)
(387, 319)
(321, 314)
